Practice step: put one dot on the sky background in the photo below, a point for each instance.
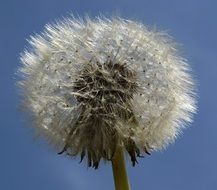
(190, 163)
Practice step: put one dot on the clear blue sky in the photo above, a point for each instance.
(191, 163)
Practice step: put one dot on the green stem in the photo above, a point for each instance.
(119, 171)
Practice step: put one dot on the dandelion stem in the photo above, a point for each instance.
(119, 171)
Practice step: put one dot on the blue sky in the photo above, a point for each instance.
(191, 163)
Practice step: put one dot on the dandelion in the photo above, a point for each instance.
(97, 88)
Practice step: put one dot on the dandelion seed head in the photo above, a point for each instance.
(93, 85)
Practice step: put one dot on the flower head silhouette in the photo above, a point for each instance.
(94, 85)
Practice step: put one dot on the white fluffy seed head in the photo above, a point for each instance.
(94, 85)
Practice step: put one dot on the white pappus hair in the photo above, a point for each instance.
(93, 85)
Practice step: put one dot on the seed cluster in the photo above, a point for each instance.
(91, 86)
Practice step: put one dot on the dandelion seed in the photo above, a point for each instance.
(95, 85)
